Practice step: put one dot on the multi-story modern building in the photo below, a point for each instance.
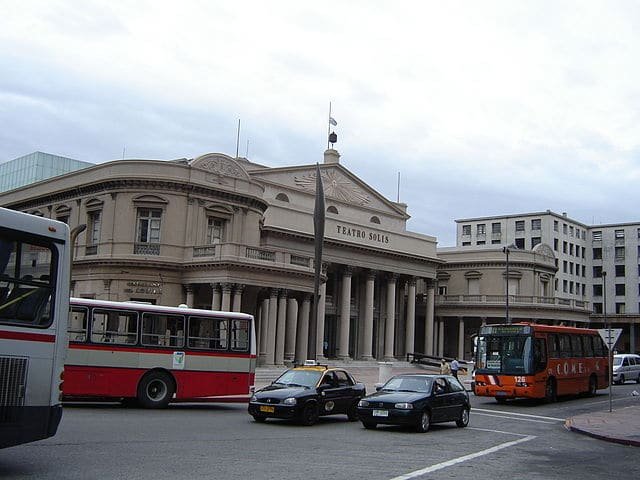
(35, 167)
(593, 261)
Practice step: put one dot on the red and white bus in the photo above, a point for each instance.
(34, 307)
(156, 355)
(539, 361)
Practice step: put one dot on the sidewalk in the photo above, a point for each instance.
(619, 426)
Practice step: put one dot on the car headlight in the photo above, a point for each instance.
(253, 398)
(363, 403)
(403, 406)
(290, 401)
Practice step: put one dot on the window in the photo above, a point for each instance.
(587, 346)
(620, 308)
(597, 253)
(466, 244)
(535, 241)
(481, 229)
(520, 226)
(495, 242)
(565, 246)
(577, 250)
(597, 272)
(148, 234)
(555, 244)
(564, 228)
(466, 230)
(240, 335)
(332, 209)
(571, 268)
(215, 230)
(619, 252)
(596, 235)
(565, 346)
(208, 333)
(619, 270)
(619, 234)
(597, 290)
(520, 243)
(638, 232)
(163, 330)
(597, 307)
(114, 326)
(555, 225)
(554, 345)
(375, 219)
(571, 249)
(497, 228)
(442, 290)
(536, 224)
(77, 327)
(93, 232)
(564, 266)
(481, 242)
(576, 346)
(571, 231)
(620, 288)
(282, 197)
(565, 286)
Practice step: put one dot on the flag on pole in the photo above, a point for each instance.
(332, 121)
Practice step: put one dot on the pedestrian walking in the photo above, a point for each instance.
(455, 366)
(445, 369)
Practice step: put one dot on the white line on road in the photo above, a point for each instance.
(464, 458)
(517, 414)
(512, 418)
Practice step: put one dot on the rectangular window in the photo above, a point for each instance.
(564, 266)
(148, 231)
(565, 247)
(163, 330)
(565, 346)
(620, 288)
(535, 241)
(619, 254)
(93, 232)
(536, 224)
(571, 249)
(576, 346)
(495, 242)
(597, 272)
(466, 230)
(554, 346)
(596, 235)
(208, 333)
(620, 270)
(77, 327)
(577, 250)
(114, 326)
(597, 290)
(466, 244)
(564, 228)
(497, 228)
(520, 243)
(519, 225)
(619, 234)
(240, 335)
(481, 242)
(555, 225)
(597, 253)
(620, 308)
(215, 230)
(481, 229)
(597, 307)
(571, 231)
(638, 232)
(555, 244)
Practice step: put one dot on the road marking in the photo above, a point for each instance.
(517, 414)
(497, 431)
(512, 418)
(464, 458)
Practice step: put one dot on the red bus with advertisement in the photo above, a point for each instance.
(154, 355)
(525, 360)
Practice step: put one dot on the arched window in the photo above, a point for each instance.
(332, 209)
(375, 219)
(282, 197)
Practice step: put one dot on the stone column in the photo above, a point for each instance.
(237, 298)
(345, 315)
(390, 314)
(440, 337)
(291, 328)
(226, 297)
(215, 300)
(281, 327)
(302, 334)
(264, 329)
(367, 345)
(189, 289)
(460, 338)
(271, 333)
(411, 317)
(429, 322)
(322, 293)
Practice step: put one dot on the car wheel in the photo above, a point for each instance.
(259, 419)
(155, 390)
(352, 412)
(593, 386)
(501, 400)
(424, 423)
(550, 393)
(309, 414)
(463, 421)
(369, 425)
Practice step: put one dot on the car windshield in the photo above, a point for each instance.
(617, 361)
(408, 384)
(299, 378)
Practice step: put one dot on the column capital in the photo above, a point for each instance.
(372, 274)
(392, 277)
(283, 293)
(411, 281)
(347, 271)
(227, 287)
(239, 287)
(188, 287)
(273, 293)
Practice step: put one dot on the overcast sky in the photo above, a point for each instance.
(483, 107)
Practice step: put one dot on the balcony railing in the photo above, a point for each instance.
(260, 254)
(205, 251)
(515, 300)
(146, 248)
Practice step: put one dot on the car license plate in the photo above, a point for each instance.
(501, 394)
(267, 409)
(380, 413)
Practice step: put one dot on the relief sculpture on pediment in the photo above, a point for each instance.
(335, 186)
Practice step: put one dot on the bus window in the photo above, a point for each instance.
(554, 346)
(111, 326)
(576, 346)
(565, 346)
(587, 345)
(164, 330)
(598, 347)
(240, 335)
(540, 355)
(208, 333)
(78, 325)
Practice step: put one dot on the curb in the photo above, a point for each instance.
(568, 424)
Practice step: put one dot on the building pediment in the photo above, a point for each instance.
(220, 164)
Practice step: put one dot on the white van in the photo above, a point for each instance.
(626, 367)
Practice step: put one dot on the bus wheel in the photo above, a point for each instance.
(155, 390)
(593, 386)
(550, 393)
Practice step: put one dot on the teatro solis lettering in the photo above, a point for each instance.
(362, 234)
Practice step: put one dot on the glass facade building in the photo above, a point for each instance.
(35, 167)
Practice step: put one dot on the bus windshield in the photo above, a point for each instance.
(508, 354)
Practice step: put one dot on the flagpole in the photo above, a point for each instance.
(329, 126)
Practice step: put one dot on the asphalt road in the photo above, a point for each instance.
(518, 440)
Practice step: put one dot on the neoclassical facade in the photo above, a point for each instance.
(226, 234)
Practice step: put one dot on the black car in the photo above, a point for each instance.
(305, 393)
(416, 400)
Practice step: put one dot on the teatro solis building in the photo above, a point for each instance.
(224, 233)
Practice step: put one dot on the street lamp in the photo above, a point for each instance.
(506, 251)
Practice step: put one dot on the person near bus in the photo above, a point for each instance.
(445, 369)
(455, 366)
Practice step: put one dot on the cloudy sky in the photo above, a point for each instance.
(482, 107)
